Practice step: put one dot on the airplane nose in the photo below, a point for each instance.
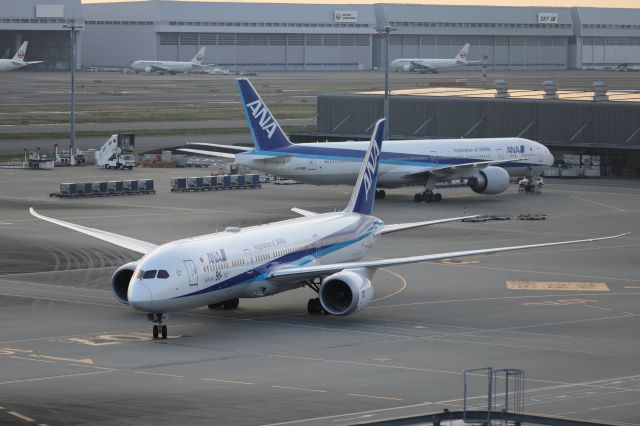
(140, 297)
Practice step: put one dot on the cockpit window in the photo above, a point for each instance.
(149, 274)
(163, 274)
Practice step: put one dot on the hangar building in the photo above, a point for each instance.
(40, 22)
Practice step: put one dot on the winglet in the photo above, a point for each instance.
(364, 192)
(265, 130)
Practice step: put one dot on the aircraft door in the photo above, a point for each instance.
(248, 259)
(500, 154)
(313, 164)
(316, 246)
(434, 157)
(192, 270)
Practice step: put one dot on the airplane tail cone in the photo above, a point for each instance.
(364, 192)
(267, 133)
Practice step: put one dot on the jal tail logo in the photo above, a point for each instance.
(21, 54)
(463, 54)
(260, 112)
(370, 170)
(515, 149)
(199, 58)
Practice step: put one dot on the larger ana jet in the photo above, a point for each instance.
(432, 65)
(322, 251)
(17, 61)
(488, 163)
(171, 67)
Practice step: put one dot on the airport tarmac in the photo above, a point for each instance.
(71, 354)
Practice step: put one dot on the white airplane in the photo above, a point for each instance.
(322, 251)
(432, 65)
(18, 60)
(487, 163)
(171, 67)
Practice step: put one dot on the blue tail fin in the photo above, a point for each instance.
(364, 192)
(267, 133)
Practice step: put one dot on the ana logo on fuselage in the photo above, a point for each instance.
(260, 113)
(371, 167)
(515, 149)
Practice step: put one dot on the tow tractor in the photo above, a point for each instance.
(117, 152)
(531, 185)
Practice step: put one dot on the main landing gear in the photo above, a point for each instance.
(427, 196)
(314, 307)
(226, 305)
(380, 194)
(159, 329)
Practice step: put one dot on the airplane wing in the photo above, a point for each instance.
(223, 151)
(230, 148)
(300, 273)
(129, 243)
(462, 169)
(33, 62)
(159, 68)
(419, 66)
(386, 229)
(209, 153)
(303, 212)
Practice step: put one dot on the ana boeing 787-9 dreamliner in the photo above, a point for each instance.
(321, 251)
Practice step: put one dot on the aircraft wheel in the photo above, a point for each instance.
(418, 198)
(314, 307)
(164, 332)
(380, 194)
(215, 306)
(231, 304)
(155, 332)
(437, 197)
(428, 197)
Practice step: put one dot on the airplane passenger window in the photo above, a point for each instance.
(149, 274)
(163, 274)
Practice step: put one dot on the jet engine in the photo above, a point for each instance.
(490, 180)
(345, 292)
(407, 67)
(120, 282)
(148, 69)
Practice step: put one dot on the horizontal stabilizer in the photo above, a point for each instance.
(386, 229)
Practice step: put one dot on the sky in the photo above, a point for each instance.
(635, 4)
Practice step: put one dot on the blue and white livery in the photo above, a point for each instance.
(487, 163)
(322, 251)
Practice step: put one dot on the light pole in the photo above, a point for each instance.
(73, 27)
(386, 30)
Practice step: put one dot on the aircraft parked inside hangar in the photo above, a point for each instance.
(487, 163)
(432, 65)
(17, 61)
(321, 251)
(171, 67)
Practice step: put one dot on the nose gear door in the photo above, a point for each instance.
(192, 270)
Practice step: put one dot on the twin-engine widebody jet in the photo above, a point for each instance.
(322, 251)
(17, 61)
(488, 164)
(171, 67)
(432, 65)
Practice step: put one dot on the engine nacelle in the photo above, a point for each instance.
(490, 180)
(407, 67)
(120, 282)
(148, 69)
(345, 292)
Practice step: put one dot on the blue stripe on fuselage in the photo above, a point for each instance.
(352, 234)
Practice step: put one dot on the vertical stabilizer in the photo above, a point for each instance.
(364, 192)
(21, 53)
(463, 54)
(267, 133)
(197, 60)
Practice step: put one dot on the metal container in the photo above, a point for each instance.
(99, 188)
(195, 183)
(178, 183)
(210, 182)
(115, 186)
(145, 184)
(68, 188)
(253, 180)
(85, 188)
(224, 181)
(130, 185)
(237, 181)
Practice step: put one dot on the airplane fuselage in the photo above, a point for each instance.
(434, 64)
(401, 162)
(234, 264)
(10, 65)
(163, 66)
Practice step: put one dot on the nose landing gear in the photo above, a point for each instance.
(427, 196)
(159, 329)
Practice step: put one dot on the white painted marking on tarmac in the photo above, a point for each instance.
(57, 358)
(158, 374)
(30, 359)
(21, 416)
(597, 307)
(94, 367)
(348, 419)
(299, 389)
(404, 285)
(63, 376)
(374, 396)
(227, 381)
